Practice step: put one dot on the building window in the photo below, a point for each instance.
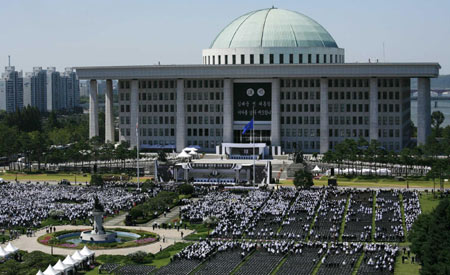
(209, 60)
(214, 60)
(242, 59)
(309, 58)
(261, 59)
(252, 61)
(226, 59)
(281, 59)
(220, 59)
(300, 58)
(291, 58)
(317, 58)
(324, 58)
(234, 59)
(271, 58)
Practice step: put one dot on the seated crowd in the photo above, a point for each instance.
(29, 204)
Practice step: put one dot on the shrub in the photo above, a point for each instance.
(186, 189)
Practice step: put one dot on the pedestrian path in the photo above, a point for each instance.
(173, 214)
(117, 220)
(169, 235)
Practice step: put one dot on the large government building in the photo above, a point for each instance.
(278, 66)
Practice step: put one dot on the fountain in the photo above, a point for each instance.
(98, 233)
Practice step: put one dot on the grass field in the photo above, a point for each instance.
(46, 177)
(380, 182)
(80, 178)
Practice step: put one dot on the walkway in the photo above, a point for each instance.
(173, 214)
(171, 235)
(117, 220)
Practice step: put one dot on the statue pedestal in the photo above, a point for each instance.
(98, 233)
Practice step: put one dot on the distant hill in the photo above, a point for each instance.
(442, 82)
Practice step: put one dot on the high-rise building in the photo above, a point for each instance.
(35, 89)
(70, 87)
(11, 90)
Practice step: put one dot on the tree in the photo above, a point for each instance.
(437, 118)
(186, 189)
(96, 180)
(303, 179)
(430, 241)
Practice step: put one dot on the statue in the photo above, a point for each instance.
(97, 205)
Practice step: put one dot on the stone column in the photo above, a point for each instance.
(373, 109)
(227, 111)
(275, 125)
(423, 110)
(93, 109)
(181, 120)
(324, 127)
(109, 114)
(134, 111)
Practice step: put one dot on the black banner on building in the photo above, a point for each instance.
(245, 95)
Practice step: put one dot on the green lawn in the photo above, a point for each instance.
(379, 182)
(406, 268)
(428, 202)
(46, 177)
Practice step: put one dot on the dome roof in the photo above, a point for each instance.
(273, 28)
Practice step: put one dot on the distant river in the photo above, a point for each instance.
(442, 105)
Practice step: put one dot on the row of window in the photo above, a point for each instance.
(218, 83)
(204, 108)
(149, 84)
(302, 59)
(204, 120)
(300, 108)
(203, 96)
(302, 145)
(193, 132)
(300, 120)
(299, 95)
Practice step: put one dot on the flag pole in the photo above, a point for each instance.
(137, 154)
(254, 158)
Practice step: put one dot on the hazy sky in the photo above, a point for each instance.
(107, 32)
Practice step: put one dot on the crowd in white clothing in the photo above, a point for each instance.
(29, 204)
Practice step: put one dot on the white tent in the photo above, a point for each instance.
(70, 261)
(317, 169)
(183, 155)
(383, 172)
(3, 253)
(87, 252)
(59, 266)
(11, 248)
(51, 271)
(78, 257)
(39, 272)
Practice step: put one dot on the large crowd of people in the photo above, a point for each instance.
(26, 205)
(243, 257)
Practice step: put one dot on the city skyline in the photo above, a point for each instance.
(81, 33)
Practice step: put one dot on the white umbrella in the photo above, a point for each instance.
(11, 248)
(39, 272)
(3, 253)
(86, 252)
(69, 261)
(59, 266)
(316, 169)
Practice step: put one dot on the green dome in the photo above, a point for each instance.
(273, 28)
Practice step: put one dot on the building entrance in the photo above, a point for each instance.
(261, 136)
